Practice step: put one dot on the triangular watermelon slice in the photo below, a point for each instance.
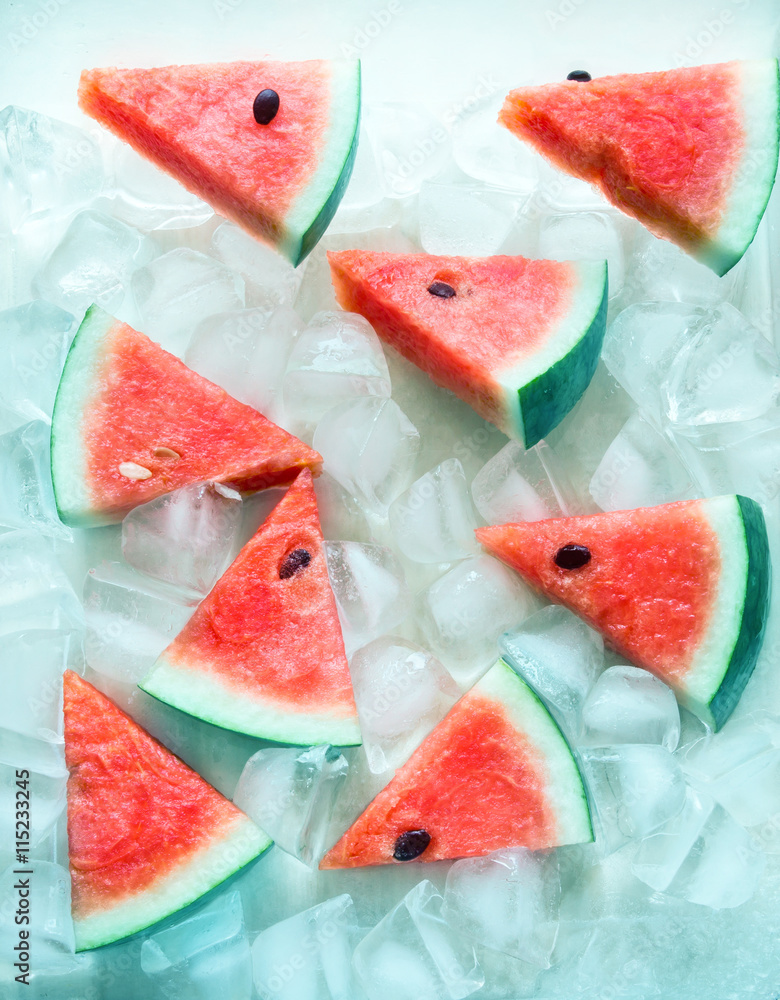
(516, 339)
(680, 589)
(132, 422)
(146, 835)
(496, 772)
(691, 152)
(280, 179)
(263, 654)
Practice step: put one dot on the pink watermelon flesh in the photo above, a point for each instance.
(124, 402)
(197, 123)
(504, 315)
(494, 773)
(673, 149)
(142, 826)
(263, 653)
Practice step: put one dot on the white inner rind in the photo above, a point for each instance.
(77, 387)
(203, 695)
(344, 108)
(757, 84)
(227, 850)
(586, 296)
(712, 657)
(564, 791)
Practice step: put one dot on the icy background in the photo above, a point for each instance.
(680, 894)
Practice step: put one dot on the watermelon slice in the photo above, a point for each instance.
(263, 654)
(283, 179)
(681, 589)
(691, 153)
(132, 422)
(517, 339)
(496, 772)
(146, 834)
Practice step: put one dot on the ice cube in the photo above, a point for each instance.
(413, 953)
(246, 352)
(507, 901)
(661, 271)
(642, 344)
(410, 145)
(636, 789)
(36, 337)
(308, 956)
(271, 281)
(370, 590)
(630, 705)
(369, 446)
(35, 592)
(560, 657)
(433, 521)
(641, 468)
(46, 166)
(519, 485)
(27, 497)
(204, 955)
(364, 205)
(130, 620)
(584, 236)
(185, 538)
(401, 692)
(467, 609)
(492, 155)
(701, 855)
(337, 357)
(612, 955)
(51, 942)
(341, 516)
(31, 714)
(291, 794)
(92, 263)
(42, 794)
(560, 191)
(726, 371)
(149, 198)
(176, 292)
(465, 220)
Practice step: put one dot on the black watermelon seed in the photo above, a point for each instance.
(572, 556)
(265, 107)
(411, 844)
(441, 289)
(580, 75)
(294, 561)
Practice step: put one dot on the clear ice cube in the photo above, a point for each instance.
(205, 955)
(401, 692)
(35, 592)
(51, 941)
(413, 952)
(465, 220)
(630, 705)
(36, 337)
(93, 262)
(584, 236)
(519, 485)
(661, 271)
(308, 956)
(46, 799)
(130, 620)
(337, 357)
(369, 446)
(507, 901)
(27, 497)
(492, 155)
(185, 538)
(433, 521)
(641, 468)
(410, 145)
(270, 280)
(467, 609)
(560, 657)
(177, 291)
(370, 589)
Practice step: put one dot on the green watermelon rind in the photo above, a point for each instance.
(755, 173)
(68, 457)
(204, 697)
(565, 789)
(745, 542)
(226, 854)
(546, 399)
(314, 208)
